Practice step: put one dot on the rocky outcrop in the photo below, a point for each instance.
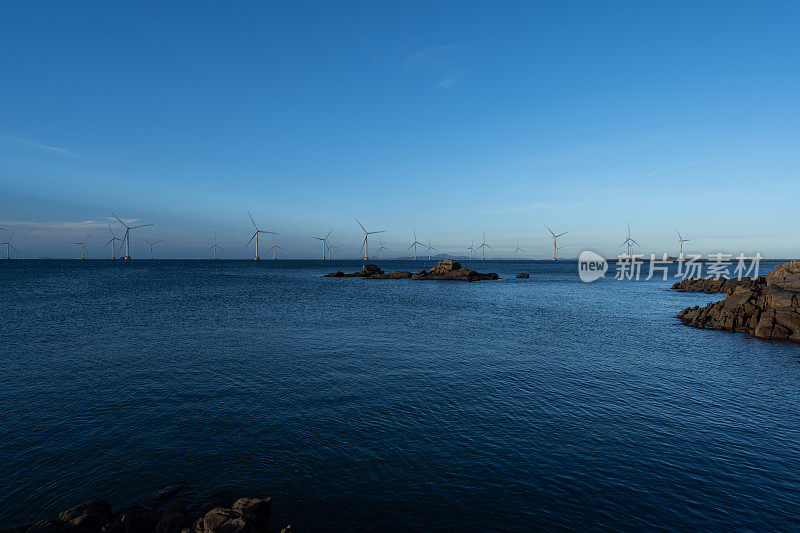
(523, 275)
(444, 270)
(767, 307)
(247, 515)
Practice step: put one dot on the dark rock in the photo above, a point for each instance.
(256, 511)
(444, 270)
(174, 519)
(337, 274)
(523, 275)
(767, 307)
(168, 493)
(398, 274)
(132, 520)
(88, 516)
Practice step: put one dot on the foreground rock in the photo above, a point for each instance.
(248, 515)
(444, 270)
(767, 307)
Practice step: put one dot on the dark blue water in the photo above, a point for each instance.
(389, 404)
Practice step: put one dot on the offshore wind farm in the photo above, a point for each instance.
(424, 266)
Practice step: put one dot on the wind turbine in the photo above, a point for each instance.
(214, 247)
(127, 236)
(151, 247)
(324, 242)
(330, 251)
(8, 245)
(275, 248)
(365, 244)
(381, 249)
(83, 245)
(471, 250)
(428, 251)
(555, 242)
(681, 240)
(518, 250)
(415, 243)
(255, 235)
(483, 247)
(114, 238)
(629, 241)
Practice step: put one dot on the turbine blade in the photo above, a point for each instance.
(118, 219)
(362, 226)
(251, 239)
(251, 220)
(560, 234)
(551, 231)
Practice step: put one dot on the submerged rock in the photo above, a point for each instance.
(523, 275)
(444, 270)
(767, 307)
(248, 515)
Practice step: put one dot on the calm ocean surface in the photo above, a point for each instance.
(390, 404)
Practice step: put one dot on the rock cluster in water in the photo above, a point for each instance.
(247, 515)
(444, 270)
(767, 307)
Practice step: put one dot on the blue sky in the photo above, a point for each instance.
(452, 118)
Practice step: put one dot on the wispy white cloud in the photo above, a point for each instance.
(447, 82)
(430, 57)
(60, 225)
(47, 147)
(670, 169)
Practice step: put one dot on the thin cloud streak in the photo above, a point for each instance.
(670, 169)
(47, 147)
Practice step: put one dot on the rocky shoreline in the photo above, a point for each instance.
(165, 514)
(445, 270)
(766, 307)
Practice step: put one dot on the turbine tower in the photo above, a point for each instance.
(428, 251)
(381, 249)
(214, 247)
(483, 248)
(8, 245)
(471, 250)
(365, 244)
(275, 248)
(83, 246)
(114, 238)
(324, 242)
(518, 250)
(330, 251)
(415, 243)
(681, 240)
(151, 246)
(255, 235)
(127, 236)
(555, 242)
(629, 242)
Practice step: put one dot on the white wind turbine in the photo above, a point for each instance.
(381, 249)
(113, 239)
(83, 246)
(151, 246)
(255, 235)
(275, 248)
(415, 243)
(555, 242)
(518, 250)
(330, 251)
(8, 245)
(324, 242)
(127, 237)
(214, 247)
(365, 244)
(471, 250)
(428, 251)
(629, 242)
(483, 248)
(681, 240)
